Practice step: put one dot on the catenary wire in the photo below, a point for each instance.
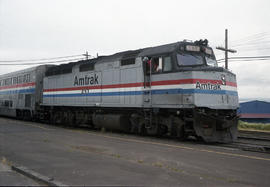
(262, 38)
(251, 37)
(244, 60)
(252, 43)
(41, 59)
(41, 63)
(245, 57)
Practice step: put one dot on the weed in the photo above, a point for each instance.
(140, 161)
(254, 126)
(158, 164)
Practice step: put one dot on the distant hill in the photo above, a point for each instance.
(242, 100)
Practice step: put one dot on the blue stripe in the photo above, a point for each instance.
(154, 92)
(22, 91)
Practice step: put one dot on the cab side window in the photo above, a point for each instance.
(161, 64)
(156, 64)
(167, 65)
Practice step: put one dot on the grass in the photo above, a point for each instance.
(253, 126)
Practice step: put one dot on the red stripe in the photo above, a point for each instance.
(18, 85)
(231, 84)
(184, 81)
(139, 84)
(191, 81)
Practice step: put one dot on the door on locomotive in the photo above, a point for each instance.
(147, 63)
(156, 69)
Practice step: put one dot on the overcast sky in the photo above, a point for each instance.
(32, 29)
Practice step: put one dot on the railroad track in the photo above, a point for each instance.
(247, 146)
(254, 135)
(255, 141)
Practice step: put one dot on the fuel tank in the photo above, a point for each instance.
(112, 122)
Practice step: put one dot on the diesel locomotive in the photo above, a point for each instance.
(175, 90)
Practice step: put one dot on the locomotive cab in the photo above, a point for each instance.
(184, 58)
(188, 80)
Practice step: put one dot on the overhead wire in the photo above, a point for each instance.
(246, 57)
(42, 63)
(258, 36)
(245, 60)
(243, 43)
(252, 43)
(262, 38)
(250, 36)
(249, 50)
(41, 59)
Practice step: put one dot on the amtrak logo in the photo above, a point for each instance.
(86, 80)
(223, 79)
(207, 86)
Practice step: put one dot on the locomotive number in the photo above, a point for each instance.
(85, 91)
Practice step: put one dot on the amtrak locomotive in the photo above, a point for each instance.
(175, 90)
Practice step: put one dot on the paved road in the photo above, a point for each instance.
(81, 157)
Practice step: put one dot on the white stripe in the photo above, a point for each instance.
(14, 89)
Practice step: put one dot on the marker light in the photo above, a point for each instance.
(208, 51)
(193, 48)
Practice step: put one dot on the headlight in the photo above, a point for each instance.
(193, 48)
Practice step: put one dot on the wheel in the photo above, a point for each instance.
(142, 130)
(181, 132)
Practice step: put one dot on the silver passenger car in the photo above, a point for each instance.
(21, 92)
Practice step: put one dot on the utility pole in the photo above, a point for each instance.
(86, 55)
(226, 50)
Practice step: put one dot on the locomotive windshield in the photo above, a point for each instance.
(189, 59)
(211, 61)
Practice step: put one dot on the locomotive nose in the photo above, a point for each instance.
(216, 101)
(216, 90)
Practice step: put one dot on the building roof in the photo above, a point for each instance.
(254, 109)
